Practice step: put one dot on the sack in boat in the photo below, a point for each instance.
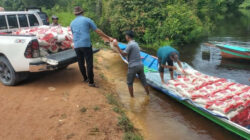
(218, 95)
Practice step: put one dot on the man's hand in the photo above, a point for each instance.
(111, 39)
(174, 67)
(115, 43)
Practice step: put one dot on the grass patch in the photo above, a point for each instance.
(102, 76)
(130, 133)
(83, 109)
(125, 124)
(118, 110)
(96, 108)
(112, 100)
(132, 136)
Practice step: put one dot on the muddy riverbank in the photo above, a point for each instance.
(57, 106)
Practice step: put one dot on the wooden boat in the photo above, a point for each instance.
(151, 66)
(233, 51)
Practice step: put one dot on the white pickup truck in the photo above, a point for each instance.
(20, 54)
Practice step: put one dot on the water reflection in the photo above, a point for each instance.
(209, 61)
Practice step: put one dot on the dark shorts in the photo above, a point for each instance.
(161, 69)
(132, 71)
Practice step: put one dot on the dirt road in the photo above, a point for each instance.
(58, 106)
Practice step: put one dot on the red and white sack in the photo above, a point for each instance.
(50, 38)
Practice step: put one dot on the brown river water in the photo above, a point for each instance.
(158, 116)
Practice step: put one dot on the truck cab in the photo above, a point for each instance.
(12, 21)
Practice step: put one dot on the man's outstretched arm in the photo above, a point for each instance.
(118, 48)
(103, 35)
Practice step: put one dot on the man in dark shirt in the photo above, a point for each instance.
(135, 65)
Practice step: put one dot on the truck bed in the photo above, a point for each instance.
(63, 57)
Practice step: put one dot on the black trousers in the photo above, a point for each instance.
(85, 54)
(161, 69)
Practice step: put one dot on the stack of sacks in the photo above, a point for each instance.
(51, 38)
(219, 95)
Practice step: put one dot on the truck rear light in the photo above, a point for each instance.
(32, 50)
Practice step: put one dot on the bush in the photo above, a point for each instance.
(181, 24)
(132, 136)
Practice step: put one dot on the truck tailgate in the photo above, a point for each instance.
(63, 58)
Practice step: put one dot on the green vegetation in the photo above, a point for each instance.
(245, 4)
(130, 133)
(156, 22)
(96, 108)
(83, 109)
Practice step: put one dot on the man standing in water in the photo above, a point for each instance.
(135, 66)
(168, 55)
(80, 28)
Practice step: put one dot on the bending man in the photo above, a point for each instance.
(168, 55)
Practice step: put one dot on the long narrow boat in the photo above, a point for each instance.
(151, 70)
(233, 51)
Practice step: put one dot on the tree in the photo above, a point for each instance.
(12, 5)
(39, 3)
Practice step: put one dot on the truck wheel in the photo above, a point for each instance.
(7, 74)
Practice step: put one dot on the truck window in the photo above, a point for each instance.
(12, 20)
(33, 20)
(3, 24)
(44, 18)
(23, 20)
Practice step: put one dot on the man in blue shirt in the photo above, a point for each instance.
(168, 55)
(81, 27)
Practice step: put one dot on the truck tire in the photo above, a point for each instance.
(8, 76)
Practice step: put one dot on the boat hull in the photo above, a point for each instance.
(234, 54)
